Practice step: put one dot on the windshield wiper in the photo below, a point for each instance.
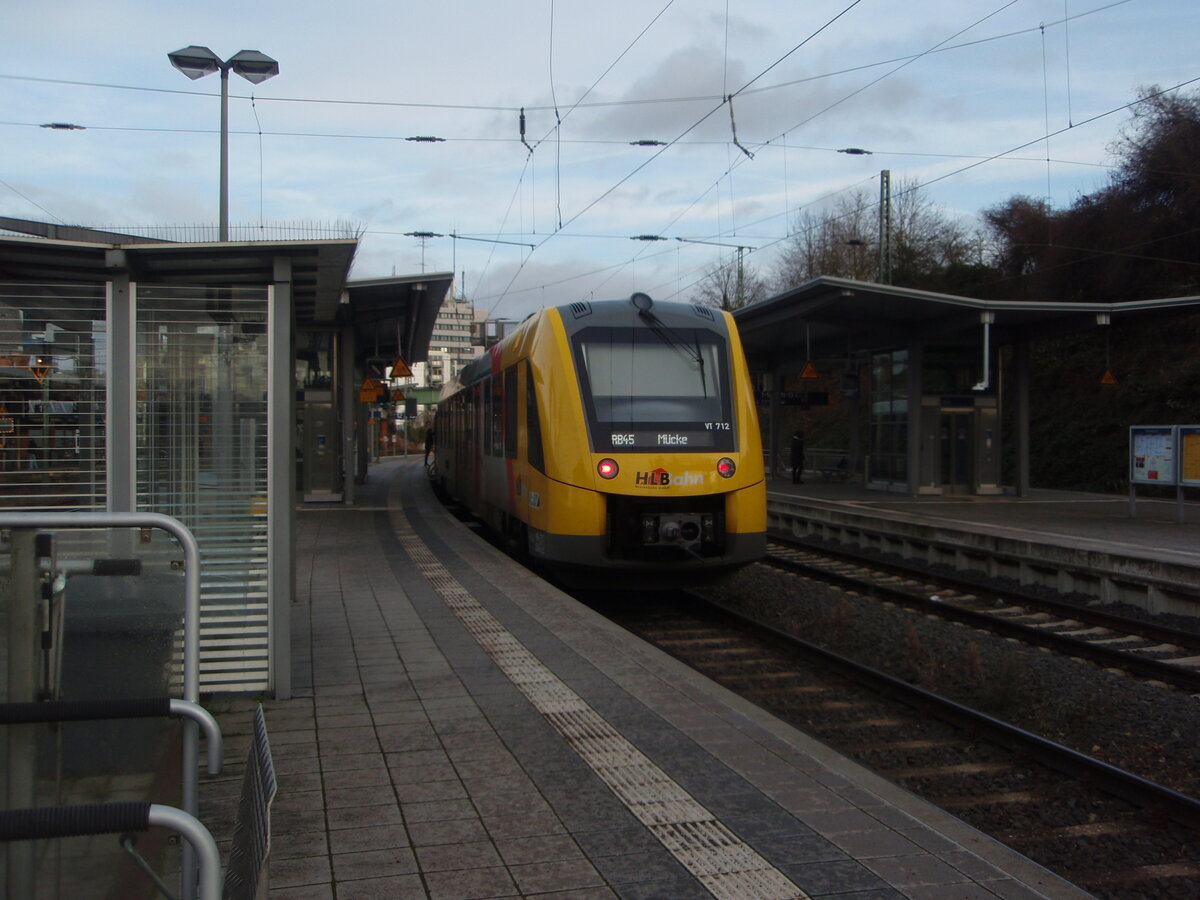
(665, 335)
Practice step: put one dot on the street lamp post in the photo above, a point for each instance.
(196, 62)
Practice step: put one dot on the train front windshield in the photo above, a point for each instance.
(660, 389)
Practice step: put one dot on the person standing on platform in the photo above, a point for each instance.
(428, 444)
(797, 455)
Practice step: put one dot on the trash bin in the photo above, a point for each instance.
(119, 642)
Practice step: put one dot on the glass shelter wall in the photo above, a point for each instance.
(52, 397)
(202, 414)
(201, 408)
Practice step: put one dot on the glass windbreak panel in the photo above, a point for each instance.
(655, 389)
(53, 341)
(202, 458)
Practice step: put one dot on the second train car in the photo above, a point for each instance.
(611, 442)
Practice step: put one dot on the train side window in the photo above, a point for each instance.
(510, 412)
(477, 423)
(533, 424)
(497, 424)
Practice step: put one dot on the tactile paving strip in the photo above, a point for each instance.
(728, 867)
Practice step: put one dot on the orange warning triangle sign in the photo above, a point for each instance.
(810, 371)
(1107, 377)
(370, 390)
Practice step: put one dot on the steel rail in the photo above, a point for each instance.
(1092, 616)
(1187, 679)
(1126, 785)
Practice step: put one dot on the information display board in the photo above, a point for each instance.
(1152, 454)
(1189, 454)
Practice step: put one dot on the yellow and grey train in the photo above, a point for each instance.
(611, 442)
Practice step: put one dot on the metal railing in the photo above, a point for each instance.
(29, 619)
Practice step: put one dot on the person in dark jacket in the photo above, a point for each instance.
(797, 456)
(428, 444)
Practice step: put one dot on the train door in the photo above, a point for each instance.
(956, 452)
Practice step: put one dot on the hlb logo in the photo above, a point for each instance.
(658, 478)
(662, 478)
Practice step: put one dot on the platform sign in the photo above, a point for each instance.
(1152, 454)
(370, 391)
(1189, 454)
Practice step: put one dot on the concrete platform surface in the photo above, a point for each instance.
(1103, 522)
(461, 729)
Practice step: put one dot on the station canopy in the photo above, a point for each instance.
(836, 317)
(395, 316)
(390, 316)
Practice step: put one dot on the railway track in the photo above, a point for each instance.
(1142, 648)
(1114, 833)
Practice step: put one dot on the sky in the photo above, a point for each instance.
(974, 100)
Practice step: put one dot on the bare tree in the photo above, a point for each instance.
(843, 241)
(730, 285)
(836, 242)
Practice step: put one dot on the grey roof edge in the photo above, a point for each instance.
(400, 279)
(814, 289)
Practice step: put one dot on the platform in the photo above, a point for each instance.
(463, 730)
(1092, 545)
(1066, 517)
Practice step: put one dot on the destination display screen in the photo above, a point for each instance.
(667, 439)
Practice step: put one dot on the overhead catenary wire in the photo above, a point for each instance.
(1067, 48)
(822, 28)
(984, 158)
(258, 123)
(618, 142)
(881, 77)
(944, 176)
(600, 142)
(700, 121)
(1003, 154)
(494, 107)
(558, 126)
(1046, 121)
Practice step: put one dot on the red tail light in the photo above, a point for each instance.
(725, 467)
(607, 468)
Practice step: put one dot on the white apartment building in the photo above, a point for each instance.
(450, 348)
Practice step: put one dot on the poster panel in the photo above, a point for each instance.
(1189, 454)
(1152, 454)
